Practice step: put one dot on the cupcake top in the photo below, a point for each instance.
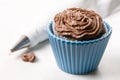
(78, 24)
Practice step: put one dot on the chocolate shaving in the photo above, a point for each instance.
(28, 57)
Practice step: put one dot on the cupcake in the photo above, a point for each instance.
(78, 38)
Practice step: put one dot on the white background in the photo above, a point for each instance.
(16, 17)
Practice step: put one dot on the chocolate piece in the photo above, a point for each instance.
(28, 57)
(78, 24)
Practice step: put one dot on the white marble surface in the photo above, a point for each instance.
(16, 17)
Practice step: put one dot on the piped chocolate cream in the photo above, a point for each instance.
(78, 24)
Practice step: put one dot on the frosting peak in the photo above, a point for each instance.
(79, 24)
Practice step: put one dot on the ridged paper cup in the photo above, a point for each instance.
(78, 57)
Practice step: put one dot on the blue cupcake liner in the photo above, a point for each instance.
(78, 57)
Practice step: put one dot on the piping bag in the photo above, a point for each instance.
(31, 39)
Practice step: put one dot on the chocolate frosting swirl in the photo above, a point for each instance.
(78, 24)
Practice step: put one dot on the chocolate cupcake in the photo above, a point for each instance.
(78, 38)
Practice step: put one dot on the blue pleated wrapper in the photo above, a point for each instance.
(78, 57)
